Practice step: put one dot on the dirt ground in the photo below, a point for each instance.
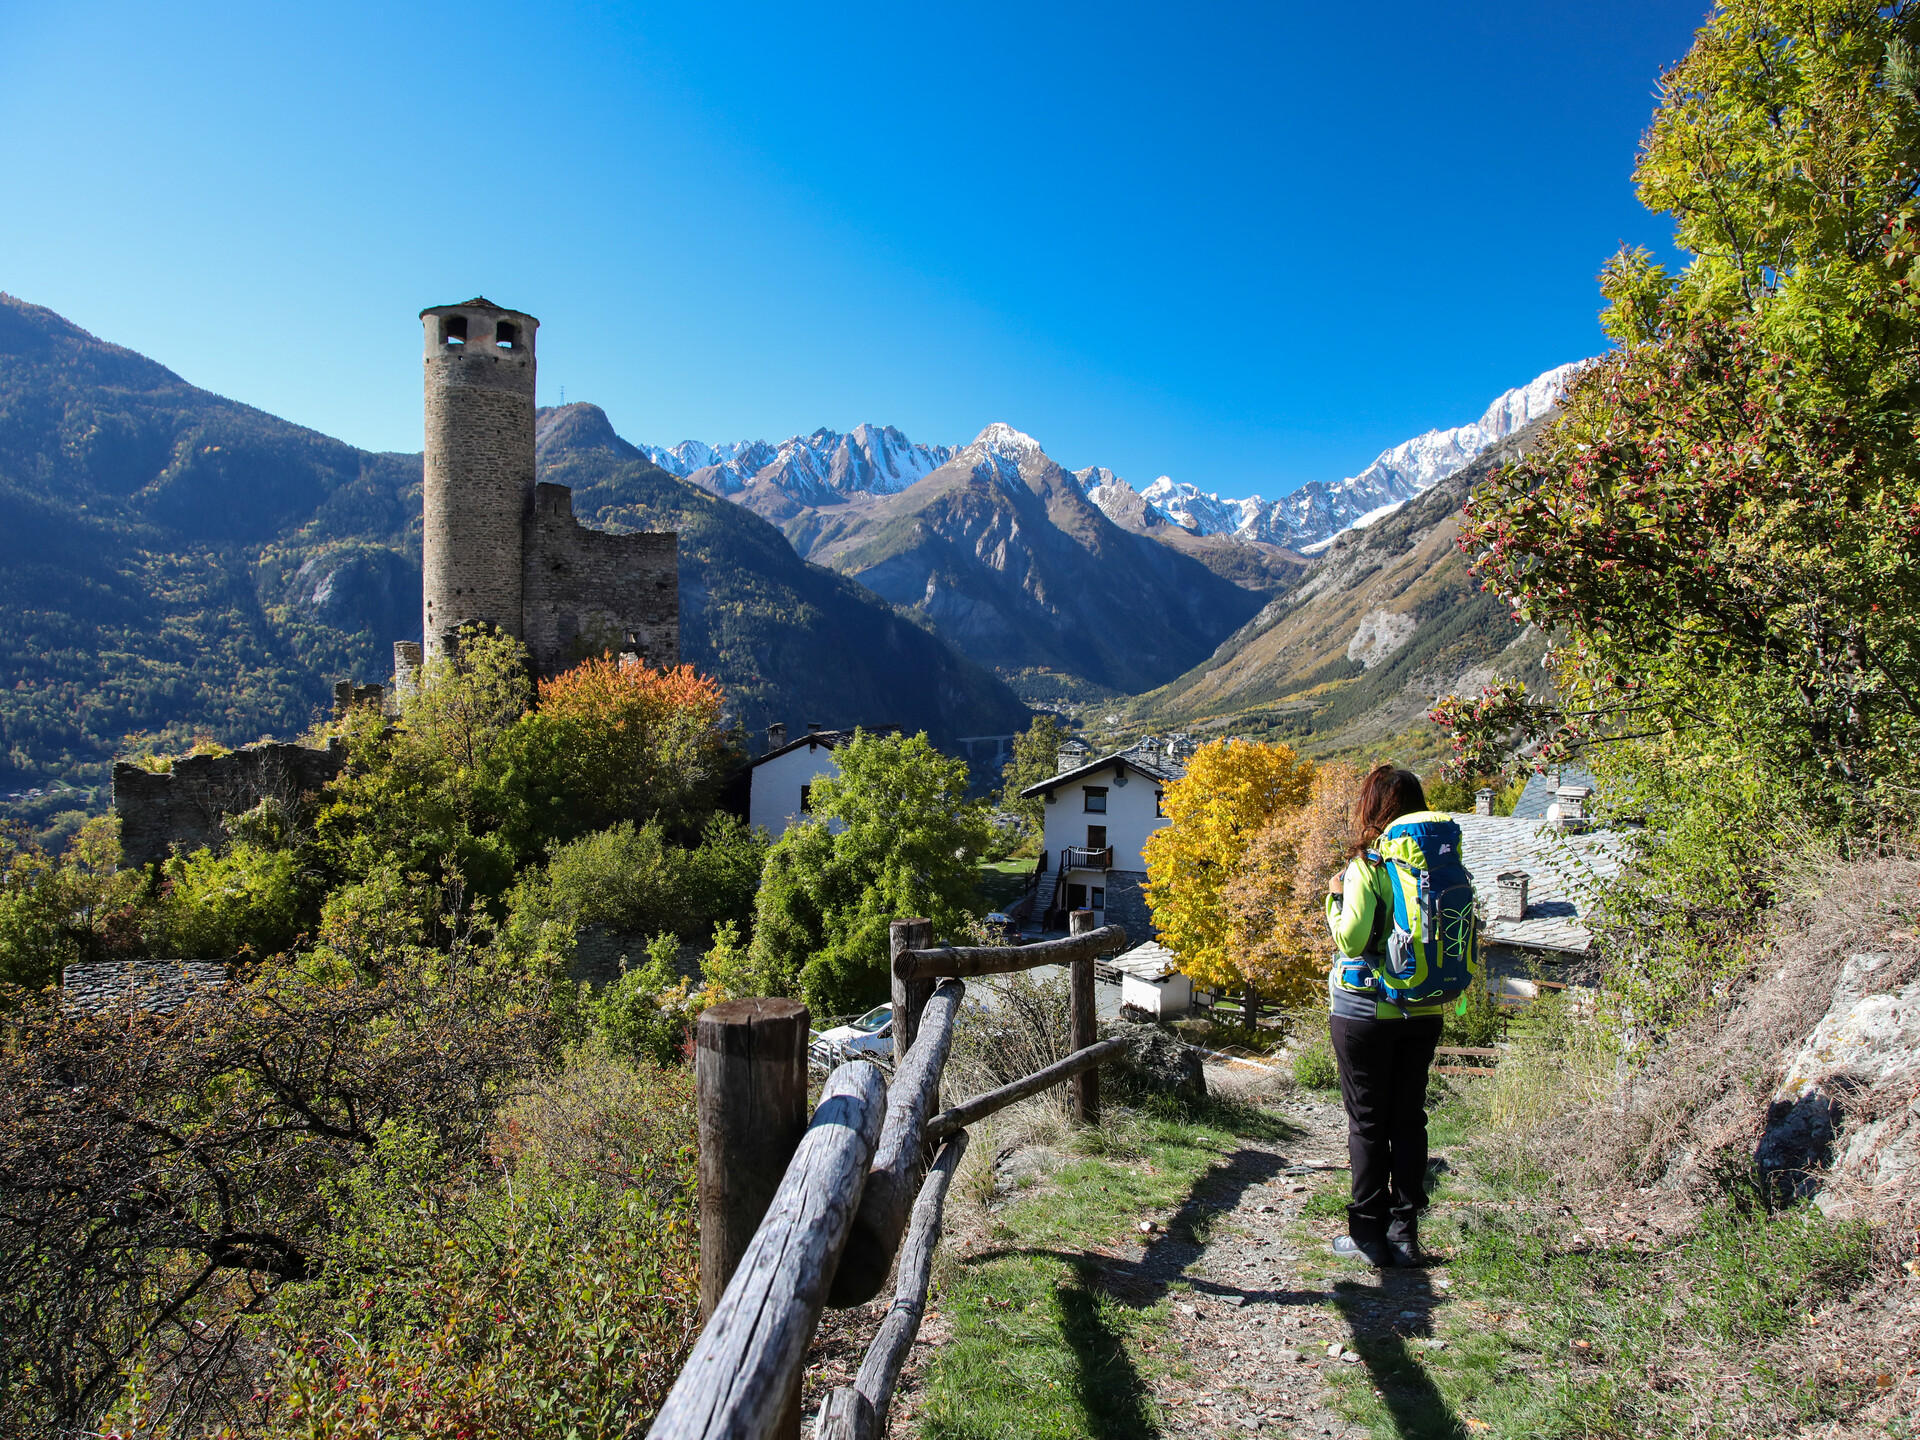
(1262, 1327)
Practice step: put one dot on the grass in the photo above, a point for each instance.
(1001, 882)
(1546, 1335)
(1048, 1341)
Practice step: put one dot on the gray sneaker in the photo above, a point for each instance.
(1347, 1248)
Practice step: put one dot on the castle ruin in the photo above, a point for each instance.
(499, 549)
(502, 550)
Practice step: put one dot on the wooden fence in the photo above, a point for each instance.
(798, 1215)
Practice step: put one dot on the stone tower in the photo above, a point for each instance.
(479, 482)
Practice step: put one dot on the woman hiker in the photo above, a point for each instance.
(1383, 1044)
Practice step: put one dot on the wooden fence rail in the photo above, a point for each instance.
(851, 1186)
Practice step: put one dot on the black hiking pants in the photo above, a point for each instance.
(1383, 1080)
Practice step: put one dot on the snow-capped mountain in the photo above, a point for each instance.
(814, 469)
(1309, 518)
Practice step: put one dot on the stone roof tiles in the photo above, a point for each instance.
(1559, 864)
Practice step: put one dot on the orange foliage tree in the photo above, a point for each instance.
(635, 743)
(1233, 789)
(1275, 911)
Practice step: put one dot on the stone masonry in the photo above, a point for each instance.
(587, 591)
(499, 550)
(186, 806)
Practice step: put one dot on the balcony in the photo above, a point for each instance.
(1081, 857)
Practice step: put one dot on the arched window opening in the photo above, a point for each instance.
(506, 335)
(453, 329)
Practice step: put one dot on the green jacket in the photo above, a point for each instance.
(1368, 888)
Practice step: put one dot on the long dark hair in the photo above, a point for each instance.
(1385, 795)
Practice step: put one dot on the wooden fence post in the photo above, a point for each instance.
(750, 1091)
(1083, 1026)
(910, 996)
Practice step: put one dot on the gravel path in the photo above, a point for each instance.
(1263, 1316)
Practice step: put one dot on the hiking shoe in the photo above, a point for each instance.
(1347, 1248)
(1407, 1255)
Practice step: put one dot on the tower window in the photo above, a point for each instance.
(453, 329)
(506, 335)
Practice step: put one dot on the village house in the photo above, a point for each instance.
(780, 787)
(1098, 815)
(1532, 874)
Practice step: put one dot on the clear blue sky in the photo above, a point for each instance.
(1249, 245)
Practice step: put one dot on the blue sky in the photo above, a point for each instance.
(1247, 245)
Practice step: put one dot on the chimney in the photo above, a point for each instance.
(1569, 810)
(1510, 895)
(814, 727)
(776, 735)
(1483, 801)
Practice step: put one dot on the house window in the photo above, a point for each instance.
(1096, 837)
(1159, 804)
(1099, 893)
(1096, 799)
(806, 799)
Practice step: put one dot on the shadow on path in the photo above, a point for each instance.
(1395, 1364)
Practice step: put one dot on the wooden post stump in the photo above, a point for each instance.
(750, 1091)
(1084, 1026)
(910, 996)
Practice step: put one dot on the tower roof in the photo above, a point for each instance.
(479, 302)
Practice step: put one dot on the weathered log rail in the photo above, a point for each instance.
(850, 1194)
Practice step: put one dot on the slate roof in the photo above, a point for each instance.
(831, 739)
(156, 985)
(1147, 962)
(1155, 767)
(1534, 800)
(1559, 864)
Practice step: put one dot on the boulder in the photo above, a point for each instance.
(1159, 1063)
(1855, 1082)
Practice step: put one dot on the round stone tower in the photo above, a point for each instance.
(478, 487)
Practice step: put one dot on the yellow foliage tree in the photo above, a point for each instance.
(1233, 789)
(1276, 916)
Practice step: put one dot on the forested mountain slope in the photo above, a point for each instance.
(1388, 620)
(175, 562)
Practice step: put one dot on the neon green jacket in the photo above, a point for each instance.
(1367, 888)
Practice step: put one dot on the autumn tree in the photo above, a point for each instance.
(1276, 918)
(634, 743)
(1233, 789)
(1722, 526)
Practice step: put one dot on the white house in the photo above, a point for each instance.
(1150, 980)
(1098, 817)
(783, 778)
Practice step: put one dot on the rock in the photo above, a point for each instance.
(1157, 1063)
(1293, 1356)
(1868, 1040)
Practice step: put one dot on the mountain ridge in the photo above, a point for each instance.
(174, 563)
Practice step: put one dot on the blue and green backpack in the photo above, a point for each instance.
(1432, 953)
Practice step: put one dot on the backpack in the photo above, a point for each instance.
(1433, 949)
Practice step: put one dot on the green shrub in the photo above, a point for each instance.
(647, 1012)
(1314, 1065)
(721, 875)
(245, 900)
(626, 878)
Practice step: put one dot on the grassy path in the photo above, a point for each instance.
(1059, 1319)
